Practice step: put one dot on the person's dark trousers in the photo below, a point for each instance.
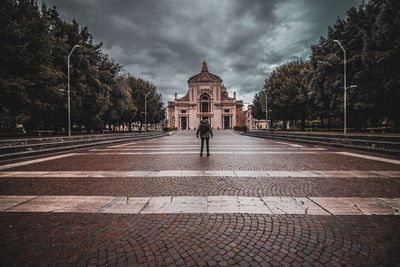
(202, 145)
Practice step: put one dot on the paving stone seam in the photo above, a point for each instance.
(23, 202)
(319, 205)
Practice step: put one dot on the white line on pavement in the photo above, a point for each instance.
(224, 137)
(210, 204)
(18, 164)
(198, 146)
(289, 144)
(125, 144)
(199, 173)
(197, 152)
(369, 157)
(214, 149)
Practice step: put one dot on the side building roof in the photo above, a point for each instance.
(184, 98)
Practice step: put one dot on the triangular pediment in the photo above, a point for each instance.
(204, 76)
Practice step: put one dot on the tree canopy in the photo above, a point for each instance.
(34, 46)
(314, 89)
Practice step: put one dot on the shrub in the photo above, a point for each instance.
(240, 128)
(169, 129)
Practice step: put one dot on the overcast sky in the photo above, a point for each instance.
(166, 41)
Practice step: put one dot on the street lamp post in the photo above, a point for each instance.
(345, 88)
(145, 110)
(69, 91)
(266, 111)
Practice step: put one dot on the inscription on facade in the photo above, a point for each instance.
(204, 90)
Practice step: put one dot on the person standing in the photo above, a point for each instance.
(205, 132)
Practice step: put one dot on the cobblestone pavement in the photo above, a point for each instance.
(203, 186)
(206, 239)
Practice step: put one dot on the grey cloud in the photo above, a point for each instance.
(259, 10)
(242, 41)
(248, 89)
(274, 57)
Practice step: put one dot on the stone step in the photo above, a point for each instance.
(39, 140)
(379, 144)
(53, 145)
(337, 139)
(341, 136)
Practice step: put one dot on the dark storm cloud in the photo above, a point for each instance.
(166, 41)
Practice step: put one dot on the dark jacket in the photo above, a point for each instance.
(207, 133)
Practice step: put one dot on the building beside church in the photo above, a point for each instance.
(249, 121)
(207, 98)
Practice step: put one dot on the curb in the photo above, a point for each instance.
(73, 147)
(376, 144)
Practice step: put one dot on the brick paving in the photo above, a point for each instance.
(202, 239)
(81, 239)
(203, 186)
(194, 162)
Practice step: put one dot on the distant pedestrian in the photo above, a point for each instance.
(205, 131)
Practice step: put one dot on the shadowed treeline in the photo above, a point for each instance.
(313, 90)
(34, 46)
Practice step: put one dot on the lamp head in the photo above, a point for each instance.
(336, 41)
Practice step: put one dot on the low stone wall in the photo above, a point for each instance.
(12, 148)
(371, 143)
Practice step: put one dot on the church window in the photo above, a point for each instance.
(183, 111)
(204, 106)
(226, 110)
(205, 103)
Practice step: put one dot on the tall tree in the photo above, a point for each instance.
(34, 47)
(287, 90)
(258, 111)
(25, 67)
(155, 106)
(369, 36)
(381, 59)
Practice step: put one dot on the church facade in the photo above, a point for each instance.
(206, 98)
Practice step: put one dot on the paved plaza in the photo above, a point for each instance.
(253, 202)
